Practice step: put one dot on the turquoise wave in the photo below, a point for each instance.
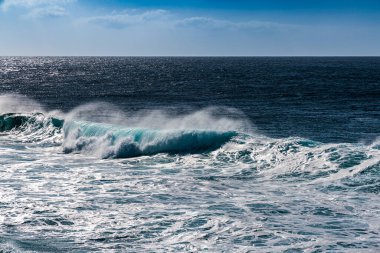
(111, 141)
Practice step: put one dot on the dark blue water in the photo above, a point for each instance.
(189, 154)
(324, 99)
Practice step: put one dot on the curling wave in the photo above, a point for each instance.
(111, 141)
(108, 140)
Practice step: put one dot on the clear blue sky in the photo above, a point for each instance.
(190, 27)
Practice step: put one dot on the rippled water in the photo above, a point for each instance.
(256, 191)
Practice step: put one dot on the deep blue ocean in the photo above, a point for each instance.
(189, 154)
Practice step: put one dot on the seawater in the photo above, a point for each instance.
(119, 154)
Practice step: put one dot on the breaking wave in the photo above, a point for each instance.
(100, 130)
(287, 157)
(108, 140)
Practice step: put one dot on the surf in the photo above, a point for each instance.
(112, 141)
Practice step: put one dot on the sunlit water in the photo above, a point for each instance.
(98, 178)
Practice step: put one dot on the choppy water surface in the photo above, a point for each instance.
(174, 173)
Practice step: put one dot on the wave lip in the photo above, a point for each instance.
(111, 141)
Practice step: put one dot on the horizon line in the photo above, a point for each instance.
(195, 56)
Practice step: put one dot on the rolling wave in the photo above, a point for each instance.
(111, 141)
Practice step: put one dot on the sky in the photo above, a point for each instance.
(190, 28)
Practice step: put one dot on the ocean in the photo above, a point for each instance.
(189, 154)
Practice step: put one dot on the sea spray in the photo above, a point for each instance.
(209, 118)
(103, 130)
(16, 103)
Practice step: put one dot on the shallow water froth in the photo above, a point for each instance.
(254, 193)
(250, 192)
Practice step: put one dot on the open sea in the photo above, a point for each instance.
(192, 154)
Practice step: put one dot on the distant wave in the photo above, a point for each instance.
(32, 127)
(11, 121)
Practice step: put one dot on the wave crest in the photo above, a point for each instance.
(111, 141)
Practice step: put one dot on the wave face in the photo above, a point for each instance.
(35, 127)
(110, 141)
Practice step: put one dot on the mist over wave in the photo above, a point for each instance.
(15, 103)
(103, 130)
(102, 112)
